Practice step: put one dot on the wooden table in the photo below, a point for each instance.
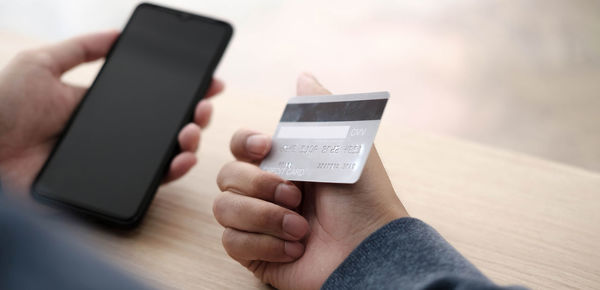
(520, 219)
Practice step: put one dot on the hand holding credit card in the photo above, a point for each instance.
(325, 138)
(282, 230)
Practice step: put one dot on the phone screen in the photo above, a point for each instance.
(121, 138)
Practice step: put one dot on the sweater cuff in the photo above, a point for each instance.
(406, 253)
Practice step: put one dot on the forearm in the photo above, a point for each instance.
(407, 254)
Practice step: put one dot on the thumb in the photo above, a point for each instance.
(71, 52)
(307, 85)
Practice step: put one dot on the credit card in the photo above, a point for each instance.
(325, 138)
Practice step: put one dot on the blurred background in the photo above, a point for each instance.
(519, 75)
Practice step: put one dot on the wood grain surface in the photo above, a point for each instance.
(520, 219)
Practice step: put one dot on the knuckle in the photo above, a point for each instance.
(235, 140)
(223, 178)
(229, 239)
(228, 209)
(262, 220)
(263, 184)
(261, 180)
(238, 141)
(269, 219)
(217, 206)
(220, 206)
(33, 56)
(241, 134)
(23, 55)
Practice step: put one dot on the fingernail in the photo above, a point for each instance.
(294, 225)
(293, 249)
(287, 195)
(257, 144)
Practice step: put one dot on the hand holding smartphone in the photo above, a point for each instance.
(116, 148)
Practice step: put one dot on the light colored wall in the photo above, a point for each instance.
(521, 75)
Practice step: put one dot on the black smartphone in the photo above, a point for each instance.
(119, 143)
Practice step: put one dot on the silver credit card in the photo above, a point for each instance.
(325, 138)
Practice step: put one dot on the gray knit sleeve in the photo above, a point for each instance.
(407, 254)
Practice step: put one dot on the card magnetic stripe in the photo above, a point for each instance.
(361, 110)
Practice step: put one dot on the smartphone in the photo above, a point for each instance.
(118, 145)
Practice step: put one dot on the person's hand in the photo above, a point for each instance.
(295, 235)
(35, 106)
